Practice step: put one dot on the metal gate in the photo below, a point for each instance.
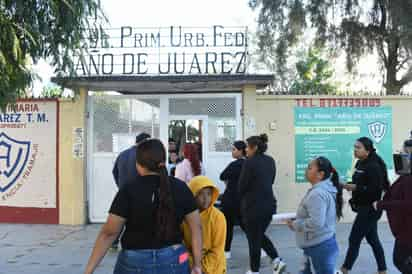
(114, 122)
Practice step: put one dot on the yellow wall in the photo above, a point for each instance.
(72, 184)
(258, 113)
(278, 110)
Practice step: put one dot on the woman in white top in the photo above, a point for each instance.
(191, 165)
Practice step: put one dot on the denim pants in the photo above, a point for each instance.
(365, 226)
(321, 258)
(169, 260)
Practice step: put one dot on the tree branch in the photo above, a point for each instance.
(381, 51)
(383, 21)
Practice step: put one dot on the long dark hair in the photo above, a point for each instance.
(368, 145)
(151, 154)
(329, 171)
(261, 142)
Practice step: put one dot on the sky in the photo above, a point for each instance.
(165, 13)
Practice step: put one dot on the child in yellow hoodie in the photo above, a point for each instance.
(213, 226)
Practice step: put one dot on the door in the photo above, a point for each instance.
(184, 129)
(114, 122)
(223, 127)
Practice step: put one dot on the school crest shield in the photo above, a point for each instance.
(14, 155)
(377, 130)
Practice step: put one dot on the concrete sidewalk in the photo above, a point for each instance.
(41, 249)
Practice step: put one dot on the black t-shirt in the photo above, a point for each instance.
(137, 202)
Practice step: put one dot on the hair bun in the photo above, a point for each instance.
(264, 138)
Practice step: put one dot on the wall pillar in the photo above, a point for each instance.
(249, 111)
(72, 189)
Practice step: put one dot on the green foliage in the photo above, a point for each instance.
(314, 75)
(52, 92)
(357, 27)
(34, 29)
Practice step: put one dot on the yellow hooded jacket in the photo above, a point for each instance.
(213, 230)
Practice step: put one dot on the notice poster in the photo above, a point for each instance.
(28, 155)
(332, 132)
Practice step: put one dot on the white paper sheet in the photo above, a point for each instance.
(282, 217)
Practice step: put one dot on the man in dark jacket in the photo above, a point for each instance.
(124, 170)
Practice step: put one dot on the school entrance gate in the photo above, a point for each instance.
(116, 120)
(209, 118)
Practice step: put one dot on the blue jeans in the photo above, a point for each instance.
(169, 260)
(321, 258)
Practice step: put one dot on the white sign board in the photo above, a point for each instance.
(28, 155)
(78, 141)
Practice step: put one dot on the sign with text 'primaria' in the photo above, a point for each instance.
(174, 50)
(28, 155)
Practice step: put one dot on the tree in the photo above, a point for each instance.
(358, 27)
(51, 92)
(314, 75)
(34, 29)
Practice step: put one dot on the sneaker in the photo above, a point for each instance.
(228, 255)
(279, 266)
(338, 272)
(250, 272)
(263, 254)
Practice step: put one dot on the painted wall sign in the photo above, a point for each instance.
(332, 132)
(338, 102)
(28, 155)
(172, 50)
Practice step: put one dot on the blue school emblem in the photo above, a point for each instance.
(14, 156)
(377, 131)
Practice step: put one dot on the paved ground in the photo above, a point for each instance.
(41, 249)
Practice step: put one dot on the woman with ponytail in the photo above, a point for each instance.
(152, 209)
(318, 212)
(257, 202)
(369, 181)
(231, 202)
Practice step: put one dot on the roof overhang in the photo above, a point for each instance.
(146, 84)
